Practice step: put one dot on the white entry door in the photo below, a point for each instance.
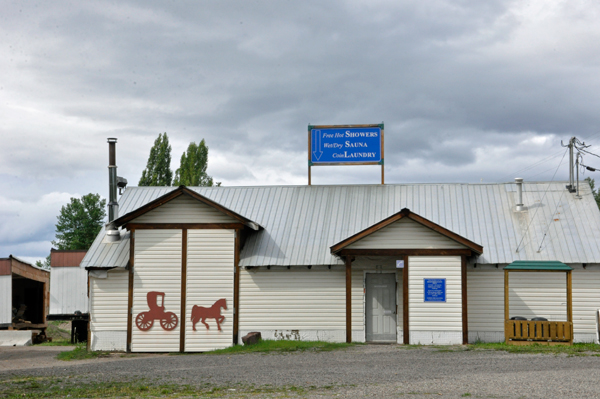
(381, 307)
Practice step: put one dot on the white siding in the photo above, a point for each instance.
(537, 294)
(210, 270)
(68, 290)
(532, 295)
(586, 301)
(157, 267)
(293, 299)
(108, 311)
(406, 234)
(485, 296)
(185, 209)
(428, 319)
(5, 299)
(358, 304)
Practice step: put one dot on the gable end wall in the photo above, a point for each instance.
(406, 234)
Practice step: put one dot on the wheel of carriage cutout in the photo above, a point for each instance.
(169, 322)
(143, 321)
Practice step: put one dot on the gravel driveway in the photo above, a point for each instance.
(366, 370)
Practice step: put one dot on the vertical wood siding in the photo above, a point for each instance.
(108, 302)
(404, 234)
(184, 209)
(434, 316)
(157, 267)
(5, 299)
(210, 269)
(68, 290)
(293, 299)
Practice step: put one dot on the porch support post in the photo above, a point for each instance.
(569, 298)
(570, 302)
(184, 241)
(348, 299)
(130, 289)
(506, 312)
(236, 287)
(405, 301)
(465, 315)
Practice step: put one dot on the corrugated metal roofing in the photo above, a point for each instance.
(301, 223)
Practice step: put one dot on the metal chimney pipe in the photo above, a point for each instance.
(113, 205)
(519, 183)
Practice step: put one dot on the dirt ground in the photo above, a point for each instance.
(361, 371)
(32, 357)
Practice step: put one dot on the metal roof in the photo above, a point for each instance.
(301, 223)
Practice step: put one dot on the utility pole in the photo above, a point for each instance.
(571, 186)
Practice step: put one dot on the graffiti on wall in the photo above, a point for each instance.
(145, 320)
(200, 313)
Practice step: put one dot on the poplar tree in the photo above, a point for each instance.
(192, 168)
(158, 169)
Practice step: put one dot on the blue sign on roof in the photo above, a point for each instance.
(345, 145)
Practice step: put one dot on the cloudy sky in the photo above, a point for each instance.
(469, 91)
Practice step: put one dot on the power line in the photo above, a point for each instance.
(551, 219)
(542, 200)
(549, 158)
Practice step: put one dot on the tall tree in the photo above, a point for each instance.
(158, 169)
(594, 191)
(79, 222)
(192, 168)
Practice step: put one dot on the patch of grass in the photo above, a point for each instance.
(575, 349)
(79, 353)
(58, 332)
(278, 346)
(409, 346)
(51, 387)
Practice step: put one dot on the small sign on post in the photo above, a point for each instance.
(345, 145)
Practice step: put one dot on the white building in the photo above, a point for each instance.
(410, 263)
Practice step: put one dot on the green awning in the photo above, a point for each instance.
(545, 265)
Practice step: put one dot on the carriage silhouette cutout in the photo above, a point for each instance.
(145, 320)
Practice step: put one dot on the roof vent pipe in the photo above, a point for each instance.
(519, 183)
(113, 205)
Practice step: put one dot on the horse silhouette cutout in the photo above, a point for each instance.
(200, 313)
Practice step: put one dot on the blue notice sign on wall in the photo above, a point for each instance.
(435, 289)
(340, 145)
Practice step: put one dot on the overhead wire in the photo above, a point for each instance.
(552, 218)
(548, 158)
(581, 148)
(542, 200)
